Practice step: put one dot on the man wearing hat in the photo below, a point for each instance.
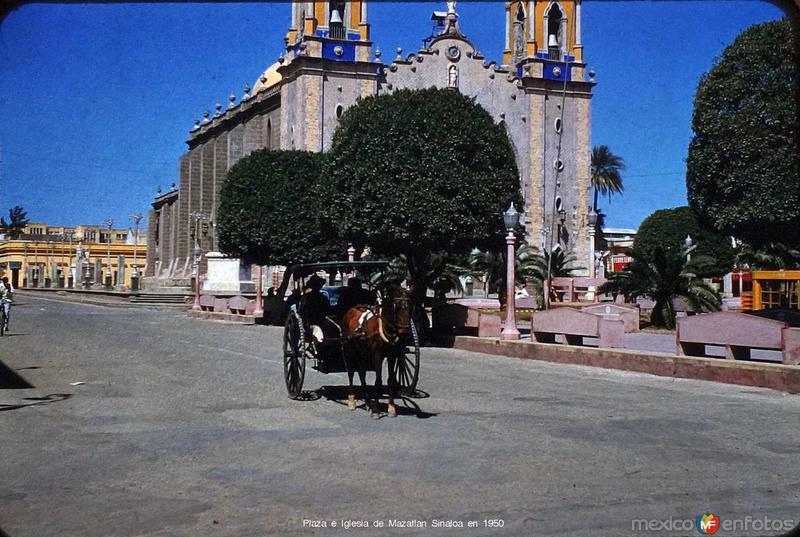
(314, 305)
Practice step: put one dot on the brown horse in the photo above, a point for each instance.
(370, 340)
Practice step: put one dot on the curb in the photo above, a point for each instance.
(78, 298)
(783, 378)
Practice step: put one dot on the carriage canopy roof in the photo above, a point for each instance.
(347, 266)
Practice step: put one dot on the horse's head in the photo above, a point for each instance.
(399, 309)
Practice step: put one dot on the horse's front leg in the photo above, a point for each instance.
(351, 394)
(362, 374)
(377, 361)
(391, 362)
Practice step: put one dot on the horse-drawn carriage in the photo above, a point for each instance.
(338, 345)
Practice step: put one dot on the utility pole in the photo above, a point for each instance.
(109, 224)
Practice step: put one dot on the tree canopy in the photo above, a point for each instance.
(17, 220)
(668, 228)
(742, 168)
(419, 171)
(267, 210)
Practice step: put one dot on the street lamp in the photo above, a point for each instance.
(78, 266)
(109, 224)
(71, 267)
(25, 262)
(196, 263)
(36, 262)
(48, 273)
(197, 250)
(87, 275)
(137, 217)
(591, 221)
(688, 242)
(511, 218)
(62, 277)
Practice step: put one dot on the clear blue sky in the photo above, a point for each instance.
(96, 100)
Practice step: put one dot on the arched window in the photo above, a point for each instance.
(554, 37)
(519, 34)
(336, 18)
(269, 134)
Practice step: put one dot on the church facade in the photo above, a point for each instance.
(540, 92)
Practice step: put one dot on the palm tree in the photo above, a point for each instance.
(490, 267)
(606, 168)
(442, 273)
(562, 264)
(556, 264)
(772, 256)
(662, 278)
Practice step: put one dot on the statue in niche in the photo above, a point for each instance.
(519, 40)
(452, 77)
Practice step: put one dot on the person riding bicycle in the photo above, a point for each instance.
(6, 298)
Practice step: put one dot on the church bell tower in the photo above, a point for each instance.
(327, 66)
(543, 30)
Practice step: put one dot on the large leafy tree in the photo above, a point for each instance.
(17, 220)
(267, 210)
(668, 228)
(606, 170)
(742, 168)
(416, 172)
(664, 276)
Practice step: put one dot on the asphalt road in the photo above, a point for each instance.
(183, 428)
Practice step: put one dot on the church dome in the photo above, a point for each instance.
(268, 78)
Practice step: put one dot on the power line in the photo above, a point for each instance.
(627, 175)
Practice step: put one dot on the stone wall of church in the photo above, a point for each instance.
(213, 150)
(161, 233)
(311, 104)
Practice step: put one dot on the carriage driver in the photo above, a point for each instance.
(354, 295)
(314, 306)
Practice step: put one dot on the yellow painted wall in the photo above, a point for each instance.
(38, 251)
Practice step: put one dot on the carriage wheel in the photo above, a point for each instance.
(294, 360)
(407, 364)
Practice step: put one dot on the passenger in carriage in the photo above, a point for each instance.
(314, 305)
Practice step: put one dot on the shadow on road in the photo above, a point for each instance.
(46, 400)
(10, 380)
(406, 406)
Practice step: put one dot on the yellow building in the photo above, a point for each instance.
(81, 256)
(776, 289)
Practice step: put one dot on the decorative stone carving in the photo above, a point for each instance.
(452, 77)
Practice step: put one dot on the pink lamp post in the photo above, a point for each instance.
(259, 309)
(197, 285)
(511, 219)
(351, 256)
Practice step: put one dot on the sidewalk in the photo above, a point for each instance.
(96, 297)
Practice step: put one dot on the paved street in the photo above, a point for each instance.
(183, 428)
